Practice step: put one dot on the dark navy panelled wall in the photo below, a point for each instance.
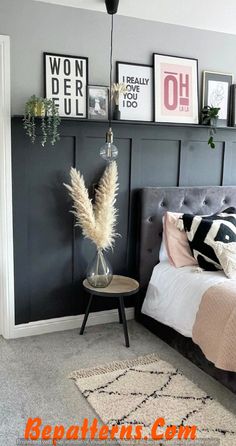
(50, 255)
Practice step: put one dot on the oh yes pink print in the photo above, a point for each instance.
(176, 89)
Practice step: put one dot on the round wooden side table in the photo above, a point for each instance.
(119, 287)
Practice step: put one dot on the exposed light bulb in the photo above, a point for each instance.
(109, 151)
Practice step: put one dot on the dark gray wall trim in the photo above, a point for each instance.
(50, 255)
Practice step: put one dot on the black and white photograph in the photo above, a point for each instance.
(216, 93)
(136, 104)
(98, 96)
(66, 82)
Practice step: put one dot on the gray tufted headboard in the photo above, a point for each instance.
(155, 201)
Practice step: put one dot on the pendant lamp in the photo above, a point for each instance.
(109, 151)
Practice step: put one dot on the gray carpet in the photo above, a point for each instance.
(33, 374)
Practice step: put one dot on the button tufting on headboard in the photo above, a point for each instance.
(153, 200)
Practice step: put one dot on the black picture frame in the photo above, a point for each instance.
(158, 91)
(78, 88)
(137, 114)
(233, 105)
(99, 116)
(217, 80)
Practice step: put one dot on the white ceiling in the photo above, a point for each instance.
(214, 15)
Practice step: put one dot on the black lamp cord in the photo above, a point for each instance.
(111, 70)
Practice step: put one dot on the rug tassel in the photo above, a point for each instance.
(116, 365)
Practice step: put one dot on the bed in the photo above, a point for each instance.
(171, 326)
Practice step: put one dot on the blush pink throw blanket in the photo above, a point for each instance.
(215, 325)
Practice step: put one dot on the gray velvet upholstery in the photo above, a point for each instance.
(157, 200)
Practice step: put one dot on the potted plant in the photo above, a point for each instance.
(210, 117)
(116, 91)
(47, 112)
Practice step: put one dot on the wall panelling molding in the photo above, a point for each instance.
(50, 255)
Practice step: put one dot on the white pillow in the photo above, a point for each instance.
(226, 253)
(163, 256)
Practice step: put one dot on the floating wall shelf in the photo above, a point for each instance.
(125, 122)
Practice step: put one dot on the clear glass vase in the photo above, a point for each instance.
(99, 272)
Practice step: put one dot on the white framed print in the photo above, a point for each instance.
(66, 82)
(137, 103)
(216, 93)
(176, 89)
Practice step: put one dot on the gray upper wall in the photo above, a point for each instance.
(36, 27)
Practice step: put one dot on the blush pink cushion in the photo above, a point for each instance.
(177, 245)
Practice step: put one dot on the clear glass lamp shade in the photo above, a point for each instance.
(109, 151)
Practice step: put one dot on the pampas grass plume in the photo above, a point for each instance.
(97, 221)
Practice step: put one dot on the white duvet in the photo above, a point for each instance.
(174, 294)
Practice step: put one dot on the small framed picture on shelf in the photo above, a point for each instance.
(176, 89)
(98, 102)
(136, 104)
(216, 93)
(66, 82)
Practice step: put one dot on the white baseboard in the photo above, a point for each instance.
(67, 323)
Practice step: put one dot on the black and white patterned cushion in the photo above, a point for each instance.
(204, 231)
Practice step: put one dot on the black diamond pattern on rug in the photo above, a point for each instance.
(142, 392)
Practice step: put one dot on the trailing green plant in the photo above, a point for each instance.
(47, 112)
(210, 116)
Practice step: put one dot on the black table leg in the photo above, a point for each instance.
(86, 315)
(120, 317)
(123, 317)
